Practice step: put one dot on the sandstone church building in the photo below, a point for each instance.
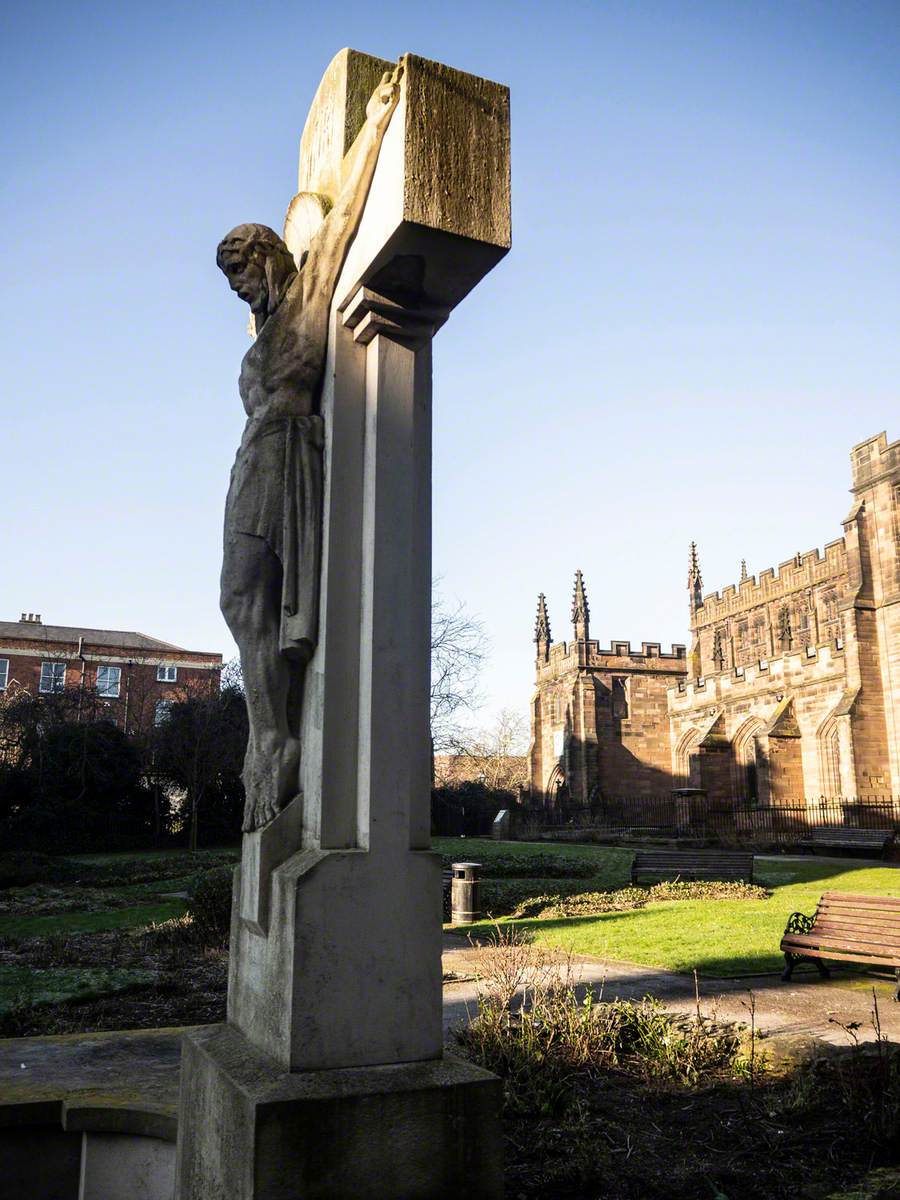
(791, 690)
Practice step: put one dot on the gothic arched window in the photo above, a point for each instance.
(801, 619)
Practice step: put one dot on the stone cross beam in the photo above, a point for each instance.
(335, 962)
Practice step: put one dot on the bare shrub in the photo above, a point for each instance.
(209, 906)
(517, 898)
(544, 1034)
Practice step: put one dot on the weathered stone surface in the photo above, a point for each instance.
(335, 117)
(423, 1131)
(455, 135)
(333, 984)
(263, 851)
(113, 1165)
(131, 1075)
(430, 238)
(457, 175)
(58, 1094)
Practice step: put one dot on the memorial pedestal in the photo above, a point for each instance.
(410, 1131)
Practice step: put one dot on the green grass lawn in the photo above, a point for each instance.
(90, 922)
(108, 893)
(144, 856)
(56, 985)
(132, 904)
(718, 937)
(157, 887)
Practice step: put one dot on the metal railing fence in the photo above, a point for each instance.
(696, 816)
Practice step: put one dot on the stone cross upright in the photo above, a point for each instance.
(329, 1078)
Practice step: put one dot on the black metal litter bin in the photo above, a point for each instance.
(466, 893)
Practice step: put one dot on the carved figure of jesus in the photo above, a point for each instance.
(272, 542)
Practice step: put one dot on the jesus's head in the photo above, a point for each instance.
(258, 266)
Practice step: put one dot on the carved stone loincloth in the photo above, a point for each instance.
(276, 494)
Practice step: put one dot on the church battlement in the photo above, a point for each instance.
(583, 651)
(792, 669)
(872, 459)
(570, 655)
(803, 570)
(622, 649)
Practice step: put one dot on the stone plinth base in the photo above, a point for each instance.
(413, 1131)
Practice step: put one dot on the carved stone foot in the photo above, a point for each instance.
(270, 781)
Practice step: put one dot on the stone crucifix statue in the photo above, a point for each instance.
(273, 513)
(308, 1092)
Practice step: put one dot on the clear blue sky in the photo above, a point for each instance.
(697, 320)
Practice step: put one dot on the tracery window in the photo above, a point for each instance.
(832, 617)
(802, 624)
(785, 635)
(743, 644)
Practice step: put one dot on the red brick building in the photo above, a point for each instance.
(129, 678)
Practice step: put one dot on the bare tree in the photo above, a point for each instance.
(496, 756)
(459, 646)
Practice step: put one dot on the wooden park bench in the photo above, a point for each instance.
(667, 865)
(862, 929)
(839, 837)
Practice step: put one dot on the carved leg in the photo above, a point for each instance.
(251, 602)
(790, 962)
(897, 989)
(823, 970)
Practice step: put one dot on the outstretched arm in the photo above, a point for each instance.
(329, 248)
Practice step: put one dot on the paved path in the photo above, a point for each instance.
(807, 1007)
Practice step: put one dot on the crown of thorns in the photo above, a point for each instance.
(245, 240)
